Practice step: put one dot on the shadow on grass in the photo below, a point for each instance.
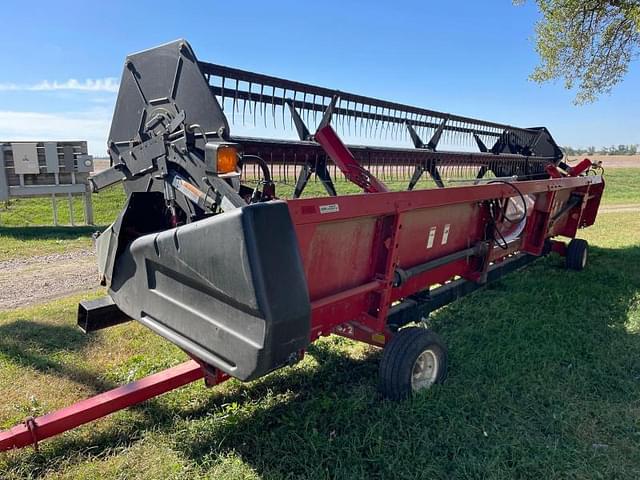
(32, 343)
(544, 365)
(49, 233)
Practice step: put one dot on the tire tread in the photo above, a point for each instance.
(399, 356)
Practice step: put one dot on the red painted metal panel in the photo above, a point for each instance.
(338, 256)
(354, 240)
(430, 233)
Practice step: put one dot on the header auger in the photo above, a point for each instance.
(207, 256)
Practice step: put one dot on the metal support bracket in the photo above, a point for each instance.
(342, 157)
(301, 128)
(435, 139)
(481, 146)
(309, 168)
(346, 162)
(427, 166)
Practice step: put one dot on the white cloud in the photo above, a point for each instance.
(108, 84)
(92, 126)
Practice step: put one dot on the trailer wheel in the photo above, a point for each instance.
(414, 360)
(577, 252)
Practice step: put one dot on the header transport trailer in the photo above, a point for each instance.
(206, 255)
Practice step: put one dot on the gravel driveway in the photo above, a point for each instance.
(31, 280)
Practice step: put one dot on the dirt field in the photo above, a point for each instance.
(632, 207)
(100, 164)
(612, 161)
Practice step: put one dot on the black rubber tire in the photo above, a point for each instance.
(577, 253)
(399, 357)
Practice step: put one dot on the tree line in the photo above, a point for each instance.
(631, 149)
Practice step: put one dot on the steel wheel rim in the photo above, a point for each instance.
(424, 371)
(584, 258)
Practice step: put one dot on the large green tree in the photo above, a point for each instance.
(587, 44)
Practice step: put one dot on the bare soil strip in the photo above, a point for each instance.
(611, 161)
(27, 281)
(622, 208)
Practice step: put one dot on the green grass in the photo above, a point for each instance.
(622, 186)
(26, 225)
(544, 382)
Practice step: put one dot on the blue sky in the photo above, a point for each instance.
(62, 60)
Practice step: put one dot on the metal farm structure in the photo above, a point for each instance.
(206, 255)
(58, 170)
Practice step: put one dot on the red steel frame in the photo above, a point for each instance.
(375, 234)
(351, 247)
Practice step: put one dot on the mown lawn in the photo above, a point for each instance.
(544, 382)
(26, 224)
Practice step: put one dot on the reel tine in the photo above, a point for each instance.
(383, 124)
(374, 123)
(273, 105)
(386, 122)
(222, 93)
(236, 105)
(367, 119)
(293, 103)
(305, 112)
(244, 109)
(263, 105)
(284, 96)
(392, 124)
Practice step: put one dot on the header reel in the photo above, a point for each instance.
(170, 135)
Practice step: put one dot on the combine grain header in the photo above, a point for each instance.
(206, 255)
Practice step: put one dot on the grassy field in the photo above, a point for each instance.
(544, 382)
(25, 224)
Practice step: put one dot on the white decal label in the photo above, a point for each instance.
(331, 208)
(432, 236)
(445, 234)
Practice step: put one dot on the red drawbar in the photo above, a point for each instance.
(33, 430)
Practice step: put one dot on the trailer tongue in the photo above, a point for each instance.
(207, 256)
